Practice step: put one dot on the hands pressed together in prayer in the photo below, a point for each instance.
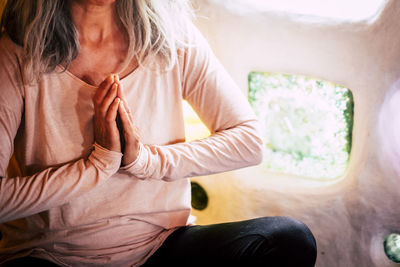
(109, 102)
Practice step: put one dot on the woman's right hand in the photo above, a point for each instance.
(106, 105)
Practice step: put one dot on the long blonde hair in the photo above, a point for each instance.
(45, 30)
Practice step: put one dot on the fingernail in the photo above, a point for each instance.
(116, 77)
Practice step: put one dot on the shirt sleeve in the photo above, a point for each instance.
(235, 141)
(24, 196)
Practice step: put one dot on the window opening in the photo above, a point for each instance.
(199, 196)
(339, 10)
(392, 247)
(306, 124)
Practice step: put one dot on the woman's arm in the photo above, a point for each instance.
(24, 196)
(235, 141)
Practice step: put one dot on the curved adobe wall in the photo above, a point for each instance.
(351, 217)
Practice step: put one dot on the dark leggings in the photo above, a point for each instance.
(268, 241)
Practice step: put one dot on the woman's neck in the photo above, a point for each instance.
(102, 40)
(96, 24)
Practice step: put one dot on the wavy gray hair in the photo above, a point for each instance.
(45, 30)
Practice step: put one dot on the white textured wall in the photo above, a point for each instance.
(351, 217)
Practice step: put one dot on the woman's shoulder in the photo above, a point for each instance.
(10, 67)
(11, 57)
(8, 48)
(192, 36)
(195, 45)
(197, 52)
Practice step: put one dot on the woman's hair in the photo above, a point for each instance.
(45, 30)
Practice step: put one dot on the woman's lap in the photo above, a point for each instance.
(268, 241)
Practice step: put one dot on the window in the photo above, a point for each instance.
(199, 196)
(340, 10)
(306, 124)
(392, 247)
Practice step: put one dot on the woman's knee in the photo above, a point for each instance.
(289, 241)
(294, 238)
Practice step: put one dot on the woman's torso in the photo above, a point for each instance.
(124, 218)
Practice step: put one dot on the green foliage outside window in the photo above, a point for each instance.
(306, 124)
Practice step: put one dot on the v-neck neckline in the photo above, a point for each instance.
(138, 68)
(86, 84)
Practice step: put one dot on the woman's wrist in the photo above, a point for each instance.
(131, 153)
(105, 159)
(139, 165)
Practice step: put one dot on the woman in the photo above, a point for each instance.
(81, 80)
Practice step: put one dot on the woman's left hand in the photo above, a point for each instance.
(130, 133)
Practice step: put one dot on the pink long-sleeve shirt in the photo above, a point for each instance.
(69, 201)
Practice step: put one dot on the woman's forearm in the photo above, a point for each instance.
(24, 196)
(226, 150)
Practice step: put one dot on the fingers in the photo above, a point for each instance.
(108, 99)
(103, 89)
(113, 111)
(124, 104)
(106, 106)
(125, 118)
(120, 91)
(130, 135)
(130, 130)
(113, 131)
(106, 94)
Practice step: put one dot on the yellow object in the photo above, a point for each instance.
(2, 4)
(194, 128)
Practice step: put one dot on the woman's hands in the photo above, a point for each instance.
(106, 104)
(130, 133)
(109, 101)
